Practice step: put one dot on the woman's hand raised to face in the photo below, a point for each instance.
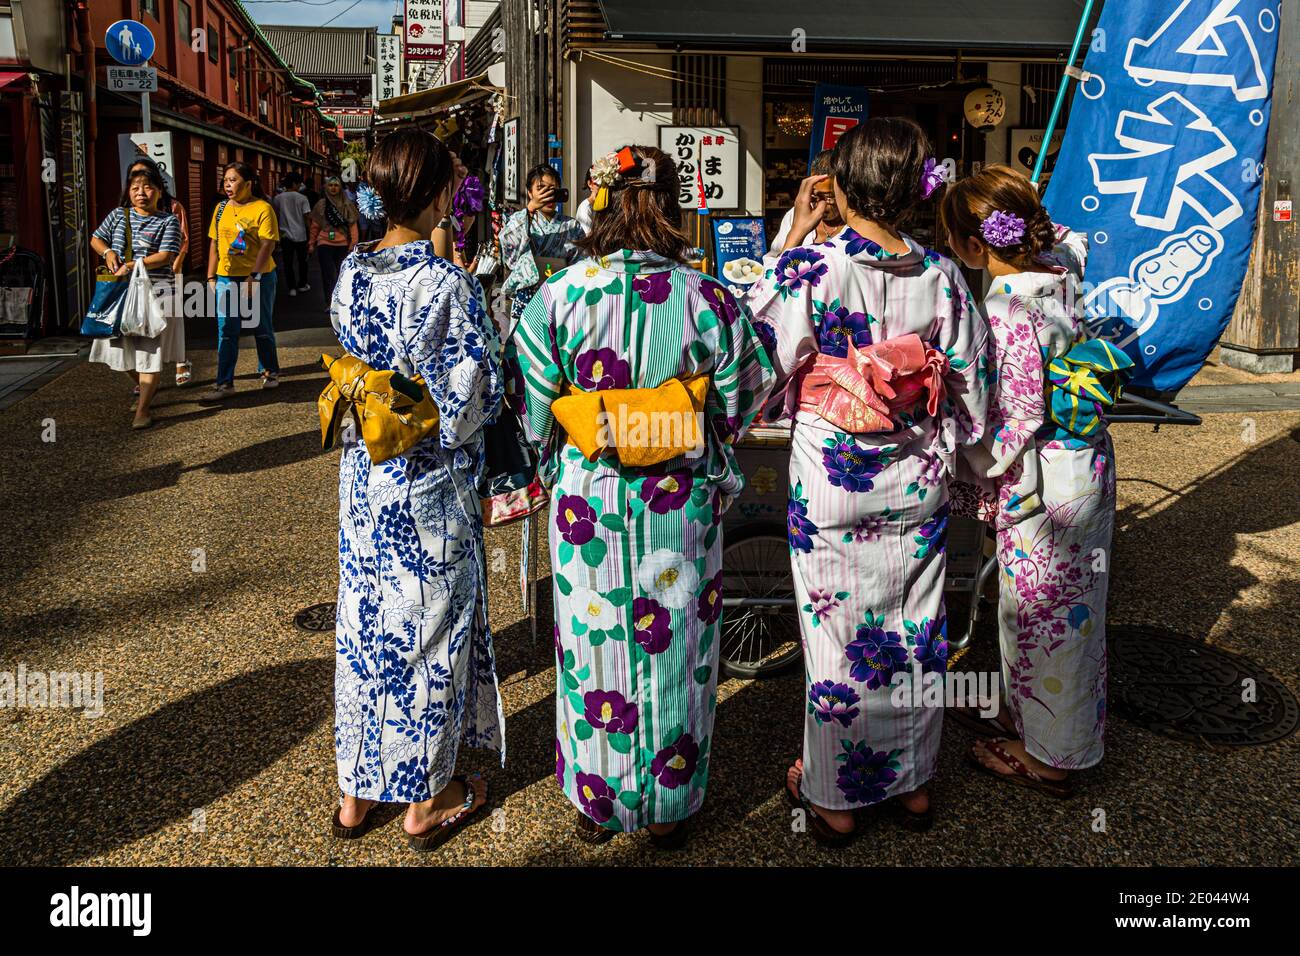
(543, 194)
(809, 209)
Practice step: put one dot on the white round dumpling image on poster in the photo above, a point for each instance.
(744, 271)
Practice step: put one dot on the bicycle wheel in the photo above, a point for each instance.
(758, 640)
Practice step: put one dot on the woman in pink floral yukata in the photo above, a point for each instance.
(1045, 476)
(868, 507)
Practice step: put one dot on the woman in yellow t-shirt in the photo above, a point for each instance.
(244, 232)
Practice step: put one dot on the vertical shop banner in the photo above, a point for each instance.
(510, 160)
(738, 247)
(425, 30)
(711, 155)
(1161, 167)
(388, 66)
(156, 146)
(836, 110)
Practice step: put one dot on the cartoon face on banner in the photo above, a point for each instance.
(1161, 167)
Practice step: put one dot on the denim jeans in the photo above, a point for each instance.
(232, 310)
(331, 258)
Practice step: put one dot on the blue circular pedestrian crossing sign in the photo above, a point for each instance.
(129, 42)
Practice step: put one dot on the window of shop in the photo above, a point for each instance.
(183, 24)
(214, 45)
(149, 7)
(699, 90)
(928, 93)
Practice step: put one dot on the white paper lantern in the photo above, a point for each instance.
(986, 107)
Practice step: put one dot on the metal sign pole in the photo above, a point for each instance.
(145, 118)
(1060, 93)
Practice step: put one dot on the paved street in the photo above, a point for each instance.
(215, 746)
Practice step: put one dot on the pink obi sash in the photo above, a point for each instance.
(864, 390)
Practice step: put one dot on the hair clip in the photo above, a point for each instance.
(935, 174)
(1002, 229)
(368, 201)
(603, 173)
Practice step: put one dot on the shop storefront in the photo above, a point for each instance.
(654, 69)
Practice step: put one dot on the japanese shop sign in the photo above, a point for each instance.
(425, 29)
(388, 66)
(714, 152)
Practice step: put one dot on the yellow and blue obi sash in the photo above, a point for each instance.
(1079, 386)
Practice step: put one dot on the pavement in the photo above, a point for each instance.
(173, 560)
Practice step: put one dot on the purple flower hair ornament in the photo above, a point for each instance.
(935, 175)
(1002, 229)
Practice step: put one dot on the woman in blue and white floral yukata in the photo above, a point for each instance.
(415, 673)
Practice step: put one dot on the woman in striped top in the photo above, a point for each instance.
(155, 239)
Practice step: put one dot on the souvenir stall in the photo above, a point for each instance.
(467, 117)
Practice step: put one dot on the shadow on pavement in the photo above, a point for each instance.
(158, 769)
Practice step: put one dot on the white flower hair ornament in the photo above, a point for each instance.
(606, 170)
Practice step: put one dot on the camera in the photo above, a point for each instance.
(562, 194)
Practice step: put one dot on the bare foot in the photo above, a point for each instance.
(917, 801)
(1015, 748)
(354, 810)
(838, 820)
(663, 829)
(421, 817)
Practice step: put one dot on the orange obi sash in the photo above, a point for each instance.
(643, 426)
(862, 391)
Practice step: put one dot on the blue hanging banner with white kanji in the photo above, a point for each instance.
(1161, 167)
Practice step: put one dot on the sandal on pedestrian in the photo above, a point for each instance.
(674, 839)
(589, 831)
(139, 423)
(988, 727)
(367, 824)
(440, 833)
(1020, 774)
(821, 831)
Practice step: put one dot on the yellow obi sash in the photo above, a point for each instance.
(643, 426)
(393, 412)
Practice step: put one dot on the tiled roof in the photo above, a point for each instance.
(325, 51)
(350, 120)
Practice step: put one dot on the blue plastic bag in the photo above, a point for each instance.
(104, 317)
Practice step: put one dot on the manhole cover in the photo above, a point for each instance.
(1181, 688)
(318, 617)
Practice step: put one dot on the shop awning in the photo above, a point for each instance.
(8, 78)
(763, 24)
(468, 90)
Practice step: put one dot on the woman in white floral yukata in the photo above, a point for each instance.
(1045, 476)
(881, 359)
(635, 544)
(415, 674)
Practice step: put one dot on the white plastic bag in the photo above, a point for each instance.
(142, 314)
